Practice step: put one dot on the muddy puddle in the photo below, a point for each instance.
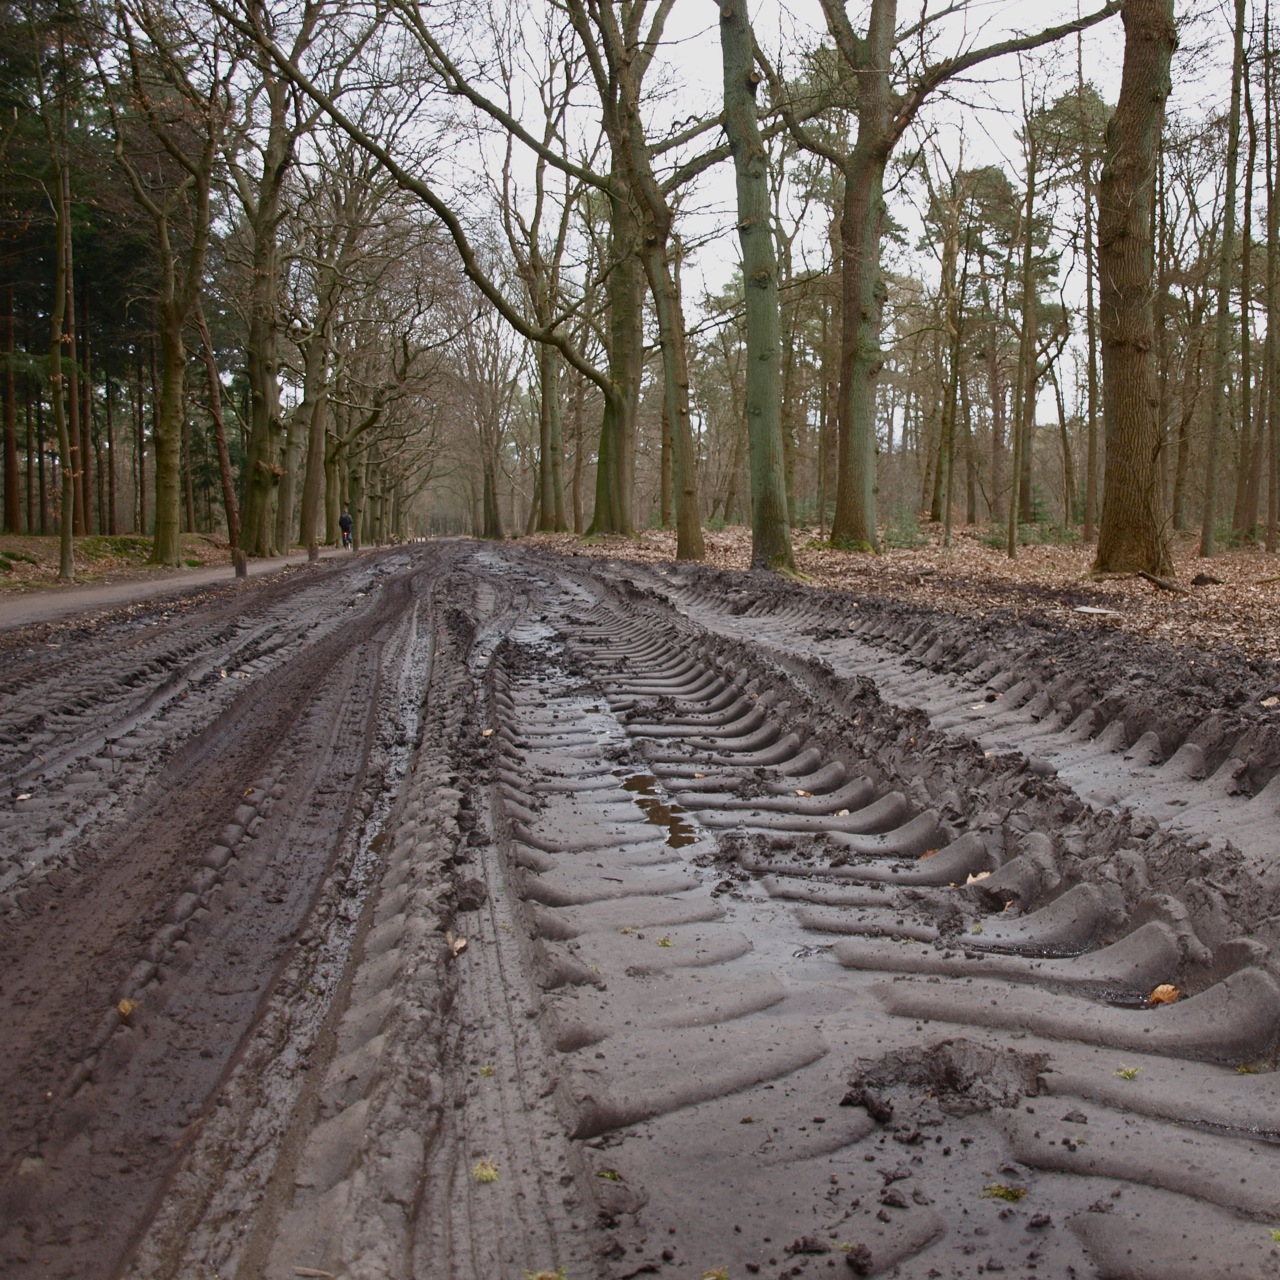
(659, 810)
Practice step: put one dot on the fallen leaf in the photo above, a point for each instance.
(842, 813)
(486, 1070)
(975, 876)
(456, 945)
(486, 733)
(928, 853)
(1128, 1073)
(26, 795)
(805, 794)
(699, 775)
(1165, 993)
(610, 1175)
(485, 1171)
(665, 942)
(999, 1191)
(716, 1273)
(1271, 702)
(311, 1271)
(126, 1007)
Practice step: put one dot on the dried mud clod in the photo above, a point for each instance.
(958, 1076)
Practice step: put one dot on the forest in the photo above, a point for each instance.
(597, 267)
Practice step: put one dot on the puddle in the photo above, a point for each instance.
(645, 792)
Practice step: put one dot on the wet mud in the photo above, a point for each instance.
(469, 911)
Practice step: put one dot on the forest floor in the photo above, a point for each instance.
(30, 562)
(1240, 608)
(550, 909)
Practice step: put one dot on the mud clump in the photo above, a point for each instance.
(958, 1076)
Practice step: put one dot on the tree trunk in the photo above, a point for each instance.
(615, 466)
(1133, 534)
(314, 424)
(579, 453)
(1244, 515)
(1090, 321)
(1068, 464)
(57, 390)
(229, 503)
(675, 371)
(1020, 499)
(113, 526)
(87, 450)
(12, 489)
(861, 359)
(1219, 408)
(167, 547)
(770, 527)
(1271, 351)
(79, 456)
(551, 517)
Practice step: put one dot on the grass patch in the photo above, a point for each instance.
(123, 547)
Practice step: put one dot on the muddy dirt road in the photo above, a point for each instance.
(465, 911)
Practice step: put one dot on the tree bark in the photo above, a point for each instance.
(229, 502)
(615, 466)
(861, 229)
(57, 389)
(12, 489)
(1219, 408)
(770, 529)
(1133, 534)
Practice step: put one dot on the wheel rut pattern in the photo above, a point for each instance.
(625, 921)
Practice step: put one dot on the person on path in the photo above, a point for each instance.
(344, 523)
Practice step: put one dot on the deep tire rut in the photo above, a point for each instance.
(614, 920)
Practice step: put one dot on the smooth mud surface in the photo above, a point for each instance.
(469, 911)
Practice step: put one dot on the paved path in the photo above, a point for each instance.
(57, 602)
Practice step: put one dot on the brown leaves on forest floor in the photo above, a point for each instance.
(30, 561)
(1241, 611)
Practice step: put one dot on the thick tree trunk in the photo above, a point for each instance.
(861, 228)
(615, 466)
(861, 358)
(1133, 535)
(770, 527)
